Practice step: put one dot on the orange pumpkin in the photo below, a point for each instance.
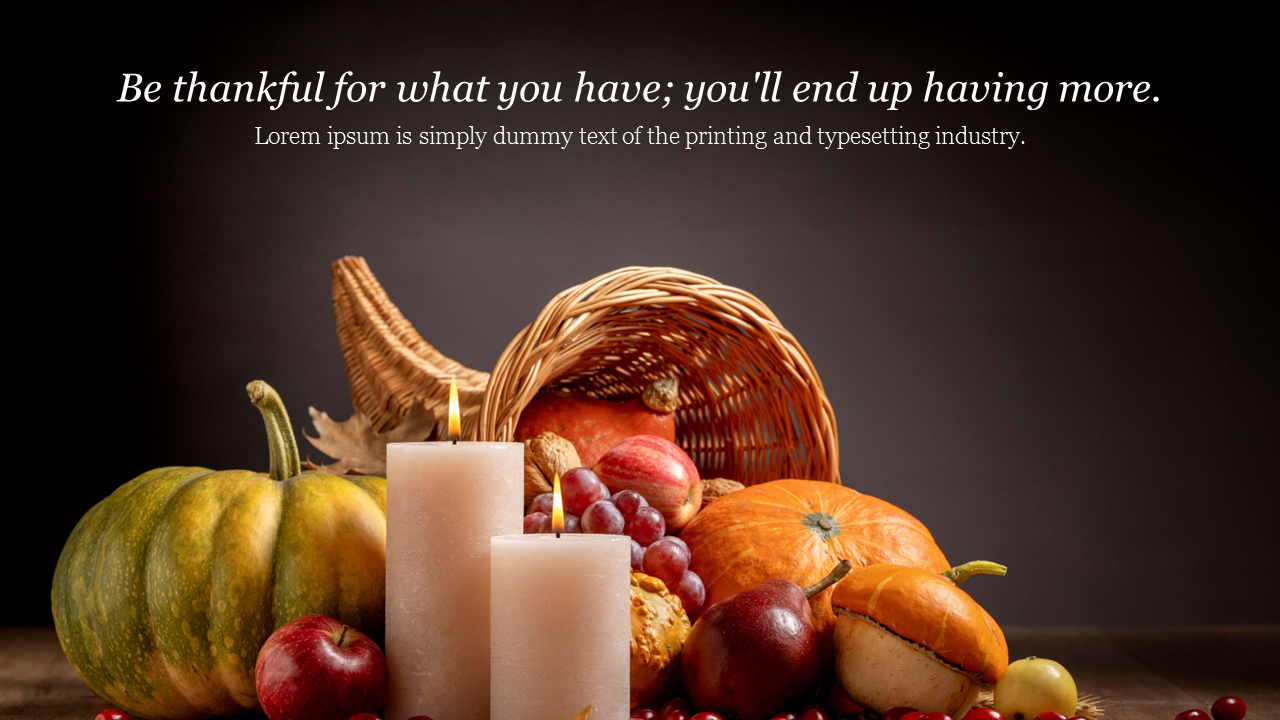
(798, 530)
(594, 426)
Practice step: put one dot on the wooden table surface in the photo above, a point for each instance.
(1143, 674)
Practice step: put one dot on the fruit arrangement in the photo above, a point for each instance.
(672, 408)
(798, 530)
(650, 467)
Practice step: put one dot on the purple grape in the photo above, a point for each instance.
(603, 518)
(645, 526)
(579, 488)
(533, 522)
(692, 594)
(542, 503)
(572, 524)
(628, 500)
(666, 560)
(637, 556)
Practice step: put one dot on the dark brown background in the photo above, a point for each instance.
(1060, 357)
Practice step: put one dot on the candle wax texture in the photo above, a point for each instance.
(561, 627)
(444, 504)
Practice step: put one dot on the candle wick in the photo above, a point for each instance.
(455, 441)
(557, 536)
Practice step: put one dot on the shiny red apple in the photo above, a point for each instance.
(660, 471)
(317, 668)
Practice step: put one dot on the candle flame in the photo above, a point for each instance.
(455, 417)
(557, 508)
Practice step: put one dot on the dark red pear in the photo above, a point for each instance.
(755, 653)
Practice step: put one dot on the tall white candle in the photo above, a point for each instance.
(444, 503)
(561, 627)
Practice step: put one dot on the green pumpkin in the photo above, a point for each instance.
(167, 589)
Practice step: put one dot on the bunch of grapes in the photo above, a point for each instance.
(588, 507)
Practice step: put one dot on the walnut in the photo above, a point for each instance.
(718, 488)
(544, 456)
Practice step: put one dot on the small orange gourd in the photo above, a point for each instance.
(908, 637)
(913, 604)
(659, 627)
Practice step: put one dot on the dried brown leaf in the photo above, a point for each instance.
(356, 447)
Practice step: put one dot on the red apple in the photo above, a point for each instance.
(315, 667)
(660, 471)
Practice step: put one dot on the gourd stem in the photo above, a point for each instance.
(662, 395)
(285, 462)
(960, 573)
(832, 578)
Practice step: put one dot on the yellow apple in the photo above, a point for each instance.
(1035, 685)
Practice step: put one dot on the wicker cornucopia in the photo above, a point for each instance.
(752, 407)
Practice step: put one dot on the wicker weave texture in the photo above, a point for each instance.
(389, 366)
(752, 407)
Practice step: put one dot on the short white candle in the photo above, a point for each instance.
(444, 503)
(561, 627)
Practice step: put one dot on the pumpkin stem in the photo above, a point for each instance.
(284, 447)
(960, 573)
(832, 578)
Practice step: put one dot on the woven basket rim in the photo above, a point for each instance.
(630, 309)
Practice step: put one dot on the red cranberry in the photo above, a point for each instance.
(110, 714)
(1228, 708)
(897, 713)
(644, 714)
(1050, 715)
(786, 715)
(673, 705)
(817, 712)
(983, 714)
(1192, 714)
(368, 716)
(706, 716)
(677, 715)
(936, 716)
